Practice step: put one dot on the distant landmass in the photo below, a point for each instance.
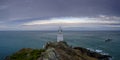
(57, 51)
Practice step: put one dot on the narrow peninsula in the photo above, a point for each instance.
(57, 51)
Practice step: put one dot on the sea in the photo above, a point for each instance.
(13, 41)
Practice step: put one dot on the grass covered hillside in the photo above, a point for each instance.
(26, 54)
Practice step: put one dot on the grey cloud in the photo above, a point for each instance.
(58, 8)
(15, 12)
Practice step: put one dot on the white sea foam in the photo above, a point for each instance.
(98, 51)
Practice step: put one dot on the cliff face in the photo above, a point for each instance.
(61, 51)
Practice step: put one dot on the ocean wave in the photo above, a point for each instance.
(98, 51)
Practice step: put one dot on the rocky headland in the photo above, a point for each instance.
(57, 51)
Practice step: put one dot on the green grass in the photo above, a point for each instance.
(27, 54)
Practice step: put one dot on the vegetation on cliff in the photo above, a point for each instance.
(26, 54)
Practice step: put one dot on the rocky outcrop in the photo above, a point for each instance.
(62, 51)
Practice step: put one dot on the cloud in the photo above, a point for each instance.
(3, 7)
(73, 20)
(19, 9)
(46, 14)
(101, 22)
(75, 23)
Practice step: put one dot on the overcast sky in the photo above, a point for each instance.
(49, 14)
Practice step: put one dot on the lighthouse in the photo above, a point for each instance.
(60, 35)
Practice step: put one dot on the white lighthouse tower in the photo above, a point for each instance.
(60, 35)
